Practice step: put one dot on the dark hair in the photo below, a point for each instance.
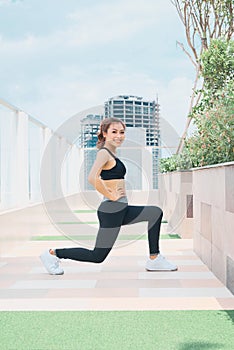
(104, 126)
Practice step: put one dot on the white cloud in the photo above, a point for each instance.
(30, 44)
(113, 12)
(110, 21)
(96, 25)
(174, 100)
(5, 2)
(54, 96)
(65, 96)
(8, 2)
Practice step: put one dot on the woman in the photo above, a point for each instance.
(107, 176)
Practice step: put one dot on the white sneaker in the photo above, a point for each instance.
(51, 263)
(160, 264)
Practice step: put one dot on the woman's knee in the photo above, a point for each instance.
(156, 211)
(100, 259)
(100, 254)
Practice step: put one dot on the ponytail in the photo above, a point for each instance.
(101, 140)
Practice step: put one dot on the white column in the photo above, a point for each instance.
(46, 167)
(64, 169)
(73, 170)
(46, 134)
(1, 160)
(67, 169)
(8, 136)
(21, 178)
(147, 183)
(80, 163)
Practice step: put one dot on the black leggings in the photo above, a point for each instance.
(112, 215)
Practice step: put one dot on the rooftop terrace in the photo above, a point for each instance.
(51, 209)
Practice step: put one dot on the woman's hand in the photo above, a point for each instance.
(115, 195)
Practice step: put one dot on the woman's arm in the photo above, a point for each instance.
(94, 175)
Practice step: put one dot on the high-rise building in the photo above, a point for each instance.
(137, 112)
(88, 139)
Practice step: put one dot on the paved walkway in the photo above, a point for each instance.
(119, 283)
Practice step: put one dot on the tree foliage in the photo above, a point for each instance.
(218, 73)
(204, 21)
(213, 141)
(218, 65)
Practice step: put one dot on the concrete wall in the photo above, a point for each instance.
(199, 204)
(176, 200)
(213, 189)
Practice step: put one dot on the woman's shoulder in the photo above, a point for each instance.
(105, 150)
(103, 154)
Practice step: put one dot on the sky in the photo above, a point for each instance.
(59, 57)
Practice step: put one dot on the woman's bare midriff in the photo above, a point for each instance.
(116, 186)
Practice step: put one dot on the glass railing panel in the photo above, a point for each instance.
(35, 146)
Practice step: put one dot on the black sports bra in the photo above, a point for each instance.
(117, 172)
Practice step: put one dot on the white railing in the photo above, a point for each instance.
(23, 140)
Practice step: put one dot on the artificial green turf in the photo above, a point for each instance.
(92, 237)
(112, 330)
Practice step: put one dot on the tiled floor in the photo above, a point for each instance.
(119, 283)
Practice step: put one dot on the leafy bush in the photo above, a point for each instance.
(218, 73)
(213, 141)
(176, 162)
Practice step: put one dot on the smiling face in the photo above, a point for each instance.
(115, 135)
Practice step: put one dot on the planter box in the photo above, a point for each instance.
(176, 200)
(213, 189)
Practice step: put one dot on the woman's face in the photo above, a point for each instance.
(115, 134)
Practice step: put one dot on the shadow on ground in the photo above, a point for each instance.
(230, 315)
(200, 346)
